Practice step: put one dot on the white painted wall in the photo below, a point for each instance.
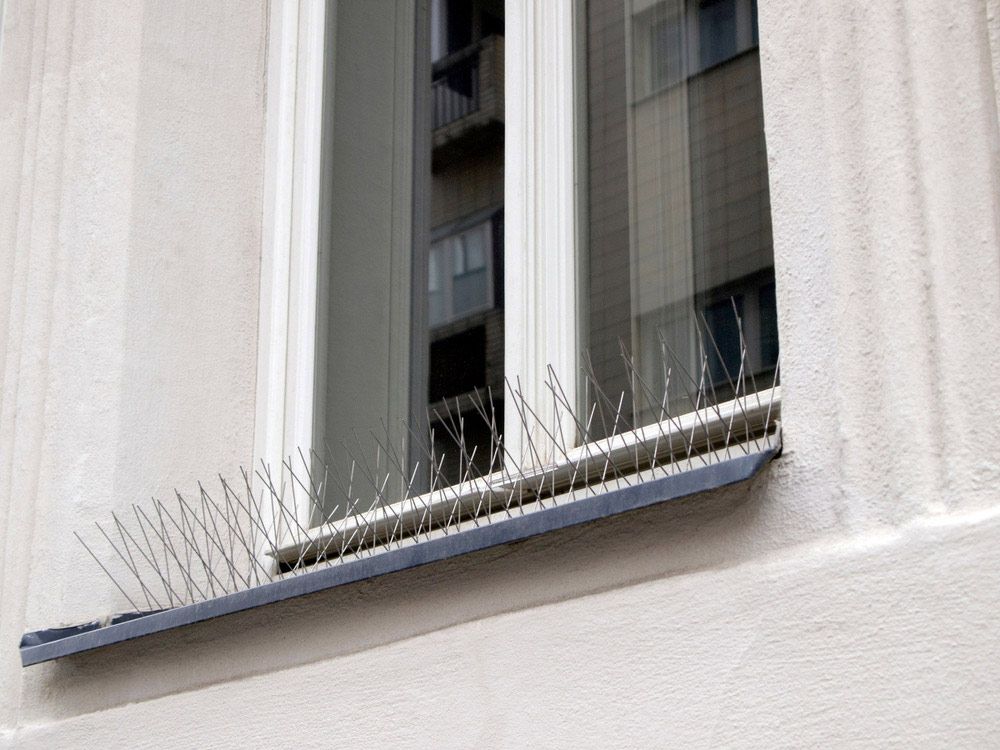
(847, 598)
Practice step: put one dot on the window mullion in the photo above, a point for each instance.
(540, 258)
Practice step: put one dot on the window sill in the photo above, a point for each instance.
(563, 512)
(732, 423)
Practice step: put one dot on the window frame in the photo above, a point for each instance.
(286, 341)
(541, 289)
(544, 216)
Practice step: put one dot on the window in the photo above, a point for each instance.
(672, 40)
(616, 196)
(581, 218)
(461, 274)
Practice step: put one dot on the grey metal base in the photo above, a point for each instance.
(44, 645)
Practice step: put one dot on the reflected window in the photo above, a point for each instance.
(461, 279)
(716, 31)
(679, 256)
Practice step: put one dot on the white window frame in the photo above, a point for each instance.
(540, 191)
(543, 206)
(286, 349)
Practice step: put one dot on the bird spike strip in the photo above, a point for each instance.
(363, 499)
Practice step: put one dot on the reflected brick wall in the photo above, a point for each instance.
(679, 213)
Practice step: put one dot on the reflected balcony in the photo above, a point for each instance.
(467, 100)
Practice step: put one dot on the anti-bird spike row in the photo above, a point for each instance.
(311, 511)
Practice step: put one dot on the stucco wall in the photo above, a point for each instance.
(847, 597)
(130, 211)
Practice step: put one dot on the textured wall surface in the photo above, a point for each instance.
(130, 211)
(848, 597)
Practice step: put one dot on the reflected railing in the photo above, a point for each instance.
(455, 86)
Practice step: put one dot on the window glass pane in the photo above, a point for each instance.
(437, 262)
(404, 325)
(469, 292)
(458, 259)
(467, 183)
(471, 282)
(435, 267)
(679, 226)
(437, 313)
(475, 247)
(716, 31)
(723, 347)
(365, 299)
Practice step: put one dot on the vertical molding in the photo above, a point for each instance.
(420, 233)
(540, 274)
(279, 145)
(43, 50)
(301, 355)
(2, 8)
(287, 324)
(882, 142)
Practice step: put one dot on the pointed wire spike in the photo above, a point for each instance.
(695, 400)
(190, 544)
(163, 572)
(555, 440)
(168, 547)
(560, 453)
(247, 538)
(188, 569)
(126, 563)
(203, 557)
(216, 539)
(662, 414)
(146, 592)
(107, 572)
(239, 580)
(123, 531)
(735, 385)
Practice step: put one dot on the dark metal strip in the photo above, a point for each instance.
(45, 645)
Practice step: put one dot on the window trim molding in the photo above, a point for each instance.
(541, 268)
(670, 438)
(286, 337)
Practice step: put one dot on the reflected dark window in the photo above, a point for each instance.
(465, 261)
(716, 31)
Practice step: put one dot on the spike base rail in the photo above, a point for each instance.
(740, 426)
(45, 645)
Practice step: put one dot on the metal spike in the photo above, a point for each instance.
(387, 491)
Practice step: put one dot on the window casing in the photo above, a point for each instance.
(545, 213)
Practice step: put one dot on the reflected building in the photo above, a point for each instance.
(465, 262)
(679, 212)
